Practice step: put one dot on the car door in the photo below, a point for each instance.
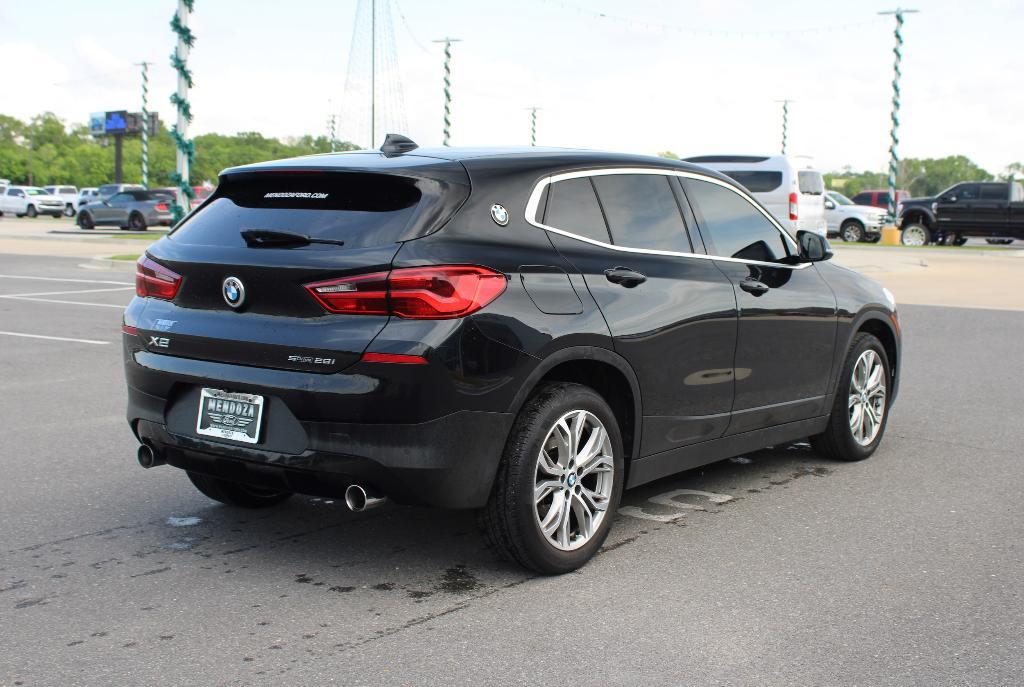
(671, 314)
(787, 313)
(991, 210)
(15, 201)
(955, 207)
(117, 208)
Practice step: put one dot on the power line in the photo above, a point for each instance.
(701, 31)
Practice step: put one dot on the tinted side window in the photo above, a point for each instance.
(572, 207)
(966, 192)
(862, 199)
(757, 182)
(994, 192)
(642, 211)
(121, 198)
(735, 227)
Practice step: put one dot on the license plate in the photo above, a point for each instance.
(227, 415)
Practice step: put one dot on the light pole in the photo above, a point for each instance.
(533, 125)
(447, 87)
(895, 116)
(785, 121)
(186, 149)
(145, 123)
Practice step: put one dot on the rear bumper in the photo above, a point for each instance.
(449, 462)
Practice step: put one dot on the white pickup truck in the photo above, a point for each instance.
(29, 201)
(69, 194)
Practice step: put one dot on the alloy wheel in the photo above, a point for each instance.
(914, 235)
(853, 233)
(573, 481)
(867, 397)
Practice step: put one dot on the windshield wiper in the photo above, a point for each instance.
(267, 238)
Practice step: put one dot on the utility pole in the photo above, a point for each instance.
(785, 121)
(447, 86)
(894, 132)
(186, 149)
(332, 126)
(533, 125)
(145, 122)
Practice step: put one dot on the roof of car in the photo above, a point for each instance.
(422, 157)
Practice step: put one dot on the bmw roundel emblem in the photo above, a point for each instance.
(233, 291)
(499, 214)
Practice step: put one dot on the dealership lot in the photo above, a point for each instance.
(778, 568)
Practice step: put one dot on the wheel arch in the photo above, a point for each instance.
(918, 216)
(883, 327)
(608, 373)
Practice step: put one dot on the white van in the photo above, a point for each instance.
(787, 186)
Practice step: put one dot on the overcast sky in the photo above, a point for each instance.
(700, 77)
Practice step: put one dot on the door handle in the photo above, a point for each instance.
(624, 277)
(753, 286)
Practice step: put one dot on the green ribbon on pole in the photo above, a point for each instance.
(186, 148)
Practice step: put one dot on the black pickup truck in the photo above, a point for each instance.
(994, 211)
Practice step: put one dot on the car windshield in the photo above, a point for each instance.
(839, 198)
(36, 192)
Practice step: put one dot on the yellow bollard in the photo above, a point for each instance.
(890, 236)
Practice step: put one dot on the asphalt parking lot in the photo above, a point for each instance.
(779, 568)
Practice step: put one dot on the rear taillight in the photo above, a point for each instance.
(153, 280)
(161, 207)
(413, 293)
(794, 206)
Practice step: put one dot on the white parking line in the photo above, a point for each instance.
(65, 293)
(56, 338)
(80, 281)
(54, 300)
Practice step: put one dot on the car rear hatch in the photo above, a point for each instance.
(349, 220)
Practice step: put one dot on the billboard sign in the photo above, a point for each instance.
(116, 122)
(97, 121)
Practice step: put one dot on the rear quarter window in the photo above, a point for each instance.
(810, 182)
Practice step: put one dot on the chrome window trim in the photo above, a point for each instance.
(538, 190)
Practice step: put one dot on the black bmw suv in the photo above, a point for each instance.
(522, 332)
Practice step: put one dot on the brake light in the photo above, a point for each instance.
(395, 358)
(153, 280)
(413, 293)
(794, 206)
(129, 330)
(161, 207)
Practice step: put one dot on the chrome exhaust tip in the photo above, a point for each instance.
(359, 498)
(148, 456)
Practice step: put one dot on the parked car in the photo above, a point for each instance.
(525, 332)
(107, 190)
(879, 197)
(850, 221)
(791, 189)
(136, 210)
(87, 195)
(30, 201)
(69, 194)
(992, 210)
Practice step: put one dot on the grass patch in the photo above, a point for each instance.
(137, 237)
(126, 257)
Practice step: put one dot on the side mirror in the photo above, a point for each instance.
(813, 246)
(829, 205)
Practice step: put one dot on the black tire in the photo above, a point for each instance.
(136, 222)
(852, 231)
(837, 441)
(85, 221)
(873, 238)
(69, 210)
(952, 239)
(31, 211)
(999, 242)
(509, 521)
(234, 494)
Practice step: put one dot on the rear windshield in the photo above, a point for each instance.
(811, 183)
(756, 182)
(359, 209)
